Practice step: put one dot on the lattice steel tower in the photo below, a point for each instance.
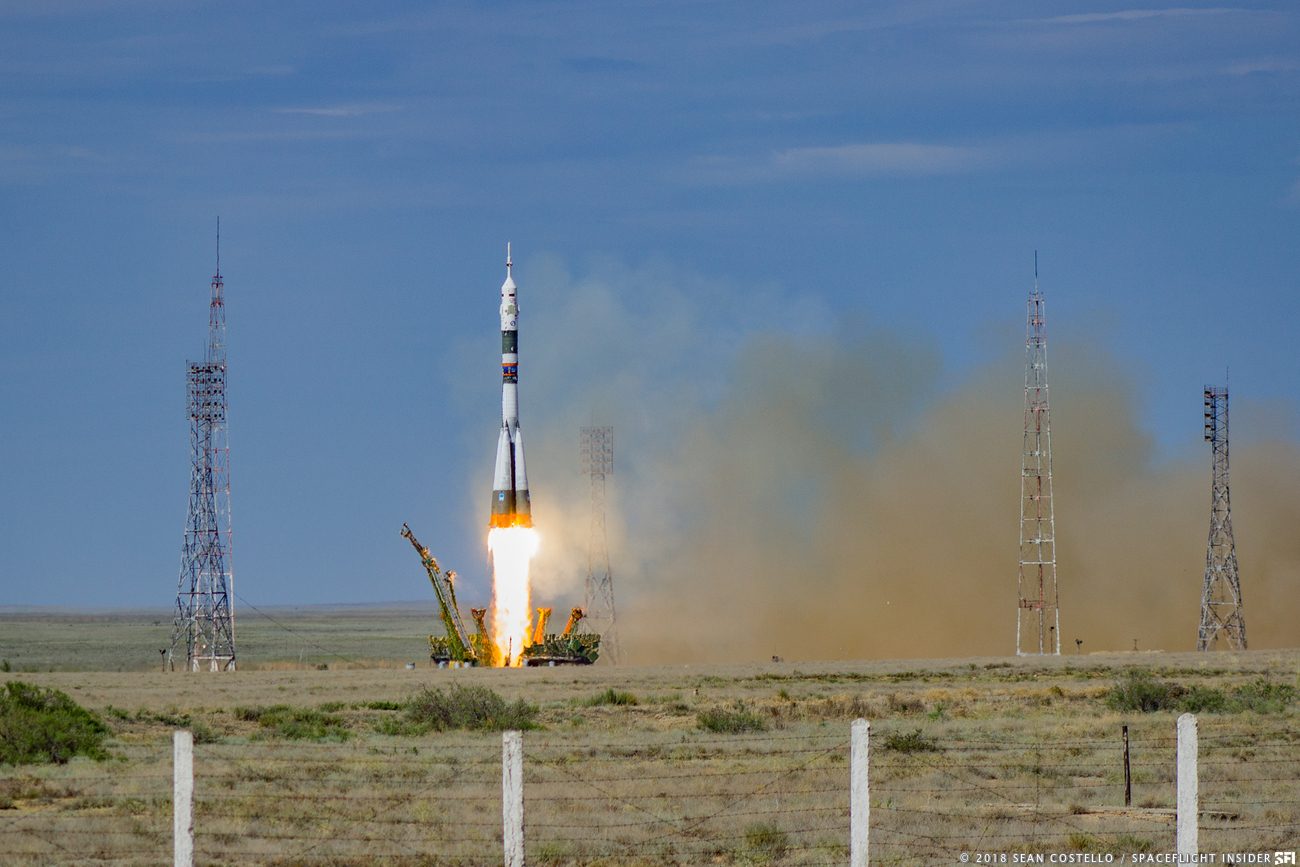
(1038, 617)
(1221, 593)
(597, 450)
(205, 613)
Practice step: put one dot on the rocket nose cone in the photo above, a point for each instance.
(509, 285)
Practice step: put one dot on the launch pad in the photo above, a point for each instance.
(516, 637)
(458, 648)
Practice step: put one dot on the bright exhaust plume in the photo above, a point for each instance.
(512, 550)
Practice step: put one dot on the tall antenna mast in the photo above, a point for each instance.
(205, 617)
(1038, 617)
(597, 451)
(217, 313)
(1221, 613)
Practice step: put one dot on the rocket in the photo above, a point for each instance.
(510, 503)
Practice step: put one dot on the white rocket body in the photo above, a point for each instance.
(510, 502)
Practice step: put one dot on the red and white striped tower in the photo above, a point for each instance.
(1038, 617)
(205, 611)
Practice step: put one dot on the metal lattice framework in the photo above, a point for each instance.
(597, 452)
(1038, 617)
(205, 614)
(1221, 615)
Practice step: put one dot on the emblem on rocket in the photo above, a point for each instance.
(510, 503)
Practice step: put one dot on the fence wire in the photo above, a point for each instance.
(673, 798)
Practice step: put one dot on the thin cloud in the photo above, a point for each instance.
(1262, 66)
(857, 159)
(279, 70)
(1136, 15)
(876, 158)
(1110, 145)
(242, 136)
(355, 109)
(76, 153)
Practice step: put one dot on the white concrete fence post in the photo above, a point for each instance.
(1188, 794)
(512, 797)
(859, 792)
(183, 798)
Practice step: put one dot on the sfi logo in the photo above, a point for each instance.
(1284, 857)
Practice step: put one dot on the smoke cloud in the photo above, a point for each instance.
(789, 484)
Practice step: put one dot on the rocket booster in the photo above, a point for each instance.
(510, 503)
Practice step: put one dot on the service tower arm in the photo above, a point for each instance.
(456, 635)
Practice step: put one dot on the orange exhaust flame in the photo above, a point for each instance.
(512, 551)
(510, 520)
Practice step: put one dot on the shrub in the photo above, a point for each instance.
(41, 726)
(1138, 691)
(398, 727)
(296, 723)
(172, 717)
(1202, 699)
(910, 742)
(554, 852)
(767, 841)
(1263, 696)
(203, 733)
(736, 720)
(248, 714)
(1124, 843)
(1081, 842)
(469, 707)
(381, 705)
(611, 696)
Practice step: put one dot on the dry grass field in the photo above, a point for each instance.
(646, 766)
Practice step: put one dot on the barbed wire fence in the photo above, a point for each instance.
(689, 801)
(672, 797)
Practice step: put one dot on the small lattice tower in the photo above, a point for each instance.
(205, 614)
(1038, 617)
(597, 451)
(1221, 616)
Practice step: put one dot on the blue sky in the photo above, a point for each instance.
(739, 169)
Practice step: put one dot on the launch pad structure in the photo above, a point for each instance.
(1038, 617)
(458, 648)
(520, 639)
(1221, 612)
(204, 622)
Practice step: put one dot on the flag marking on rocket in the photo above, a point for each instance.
(510, 503)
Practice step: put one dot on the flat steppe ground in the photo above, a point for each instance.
(306, 755)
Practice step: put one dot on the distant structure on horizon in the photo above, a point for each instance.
(1038, 617)
(205, 613)
(597, 451)
(1221, 614)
